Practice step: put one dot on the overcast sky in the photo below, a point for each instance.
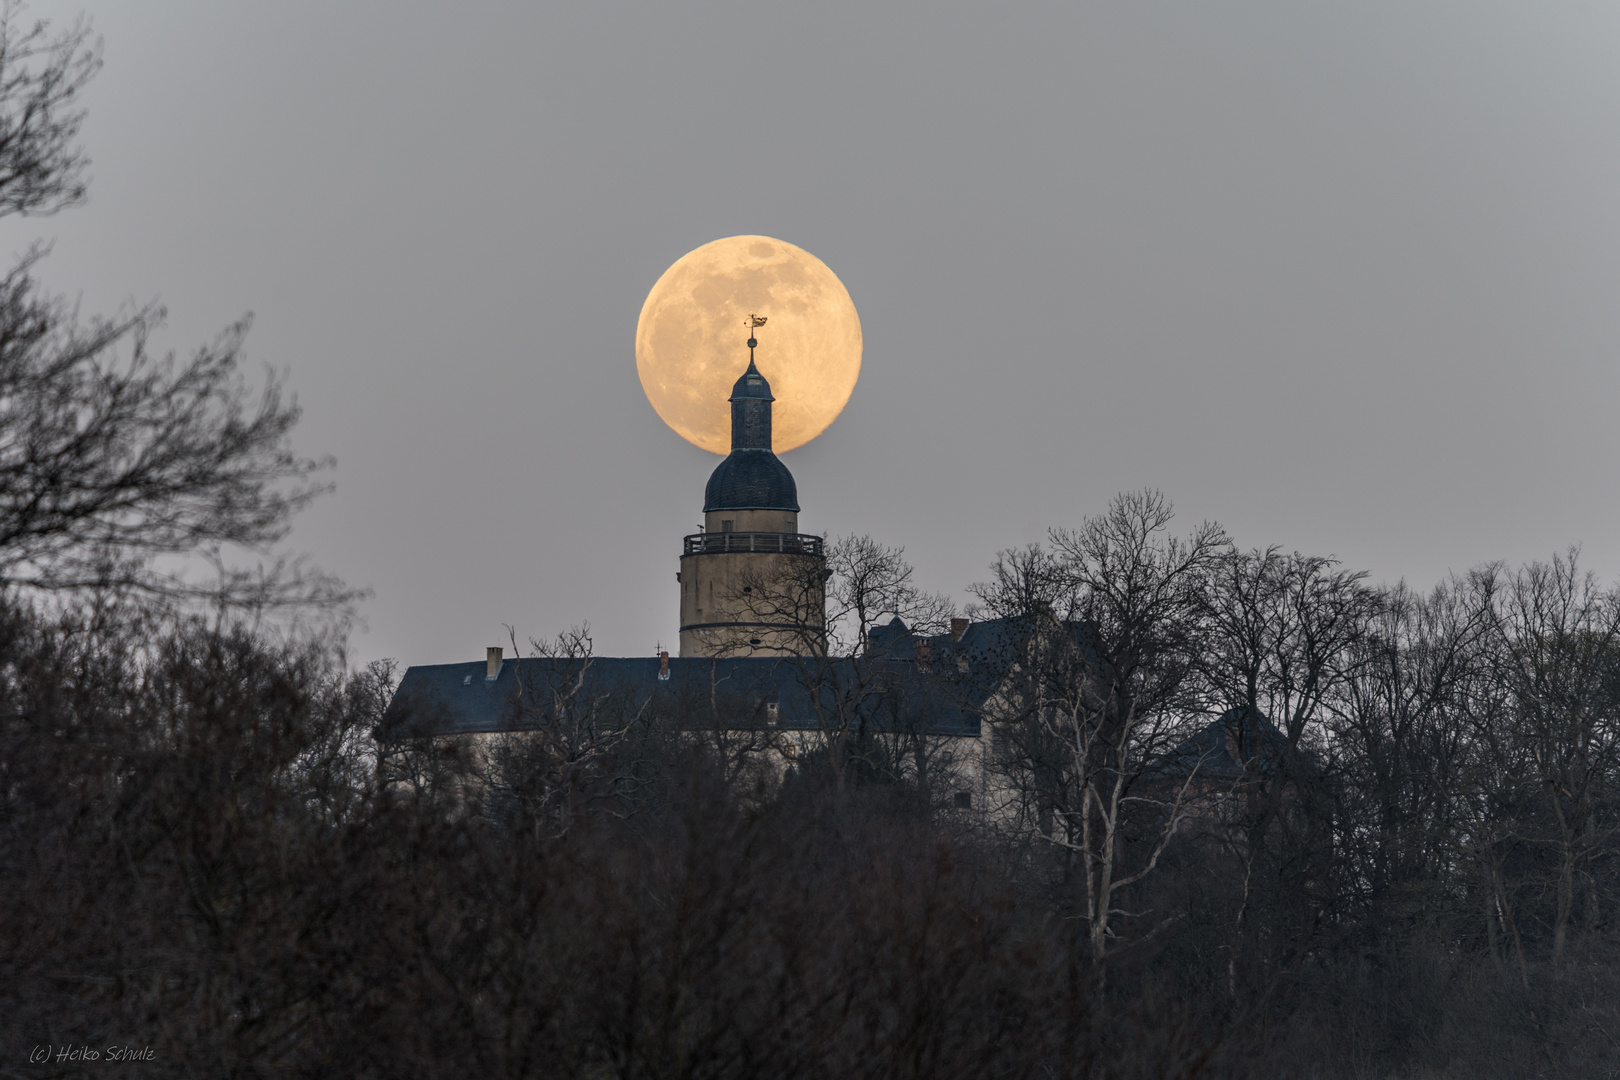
(1345, 278)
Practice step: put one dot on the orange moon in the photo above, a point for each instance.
(692, 341)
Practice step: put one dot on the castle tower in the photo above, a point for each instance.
(750, 582)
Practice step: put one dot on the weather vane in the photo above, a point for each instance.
(753, 322)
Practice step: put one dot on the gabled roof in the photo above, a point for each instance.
(1243, 743)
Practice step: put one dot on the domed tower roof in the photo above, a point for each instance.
(751, 478)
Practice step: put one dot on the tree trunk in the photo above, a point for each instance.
(1566, 901)
(1491, 935)
(1505, 914)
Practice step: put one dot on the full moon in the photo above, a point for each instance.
(692, 340)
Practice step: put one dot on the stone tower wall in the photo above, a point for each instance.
(747, 603)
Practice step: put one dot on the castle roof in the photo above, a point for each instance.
(1243, 743)
(458, 699)
(751, 386)
(751, 479)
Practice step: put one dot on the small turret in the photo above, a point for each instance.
(751, 410)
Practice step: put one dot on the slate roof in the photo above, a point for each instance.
(451, 699)
(905, 681)
(751, 480)
(751, 384)
(1242, 743)
(993, 642)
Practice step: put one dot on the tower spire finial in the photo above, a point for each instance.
(752, 323)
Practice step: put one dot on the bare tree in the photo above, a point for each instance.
(41, 74)
(847, 680)
(1101, 683)
(1557, 654)
(111, 458)
(1399, 743)
(115, 461)
(1282, 631)
(577, 743)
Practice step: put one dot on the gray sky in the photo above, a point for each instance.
(1343, 277)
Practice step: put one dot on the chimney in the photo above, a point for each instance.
(958, 628)
(492, 663)
(663, 665)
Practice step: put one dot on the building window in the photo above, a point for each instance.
(726, 526)
(772, 713)
(964, 800)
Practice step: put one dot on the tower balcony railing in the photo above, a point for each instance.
(787, 543)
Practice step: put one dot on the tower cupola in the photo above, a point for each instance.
(751, 477)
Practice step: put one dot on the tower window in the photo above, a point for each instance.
(726, 526)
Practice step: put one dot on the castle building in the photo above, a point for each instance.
(754, 660)
(751, 583)
(753, 603)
